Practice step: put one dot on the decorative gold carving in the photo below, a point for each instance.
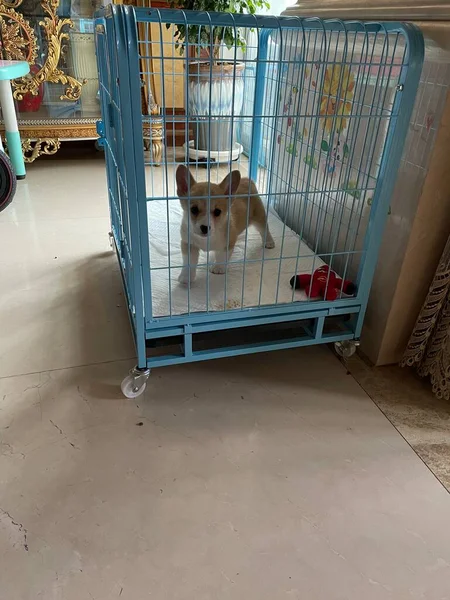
(56, 38)
(12, 4)
(17, 35)
(31, 150)
(19, 42)
(76, 131)
(153, 140)
(153, 131)
(47, 140)
(155, 147)
(69, 133)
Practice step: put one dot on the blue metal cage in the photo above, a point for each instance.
(314, 112)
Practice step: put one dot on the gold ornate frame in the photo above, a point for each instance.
(54, 32)
(53, 28)
(44, 136)
(20, 43)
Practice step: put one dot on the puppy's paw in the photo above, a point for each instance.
(270, 243)
(218, 269)
(183, 278)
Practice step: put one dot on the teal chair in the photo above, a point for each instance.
(11, 168)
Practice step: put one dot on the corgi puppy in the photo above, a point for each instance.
(218, 213)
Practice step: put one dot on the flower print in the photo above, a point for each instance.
(351, 188)
(302, 134)
(310, 161)
(338, 90)
(329, 167)
(288, 104)
(292, 149)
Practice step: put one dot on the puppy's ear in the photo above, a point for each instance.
(185, 181)
(231, 183)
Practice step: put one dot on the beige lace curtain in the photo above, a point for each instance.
(428, 348)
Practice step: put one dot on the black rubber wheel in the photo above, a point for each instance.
(8, 181)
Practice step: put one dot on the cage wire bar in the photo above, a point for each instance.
(314, 112)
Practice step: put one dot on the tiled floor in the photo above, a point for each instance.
(267, 477)
(61, 303)
(408, 402)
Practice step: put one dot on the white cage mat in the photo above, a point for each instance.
(258, 282)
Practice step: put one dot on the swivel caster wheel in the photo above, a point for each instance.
(135, 382)
(111, 239)
(346, 348)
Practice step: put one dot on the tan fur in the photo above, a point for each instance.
(239, 204)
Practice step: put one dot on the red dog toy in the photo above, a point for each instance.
(324, 283)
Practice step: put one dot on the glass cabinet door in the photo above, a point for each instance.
(59, 99)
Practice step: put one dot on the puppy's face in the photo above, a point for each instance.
(207, 203)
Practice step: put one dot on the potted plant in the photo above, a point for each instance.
(215, 85)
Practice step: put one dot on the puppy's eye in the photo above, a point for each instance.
(194, 211)
(217, 212)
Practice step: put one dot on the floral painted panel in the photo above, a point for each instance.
(314, 123)
(332, 114)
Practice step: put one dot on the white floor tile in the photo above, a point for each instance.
(62, 302)
(272, 476)
(219, 483)
(59, 190)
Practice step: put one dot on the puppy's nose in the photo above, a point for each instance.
(204, 229)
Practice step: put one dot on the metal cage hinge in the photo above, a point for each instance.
(100, 127)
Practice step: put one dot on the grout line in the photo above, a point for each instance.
(94, 364)
(392, 423)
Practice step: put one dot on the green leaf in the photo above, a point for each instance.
(292, 149)
(310, 161)
(346, 150)
(324, 146)
(205, 36)
(351, 190)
